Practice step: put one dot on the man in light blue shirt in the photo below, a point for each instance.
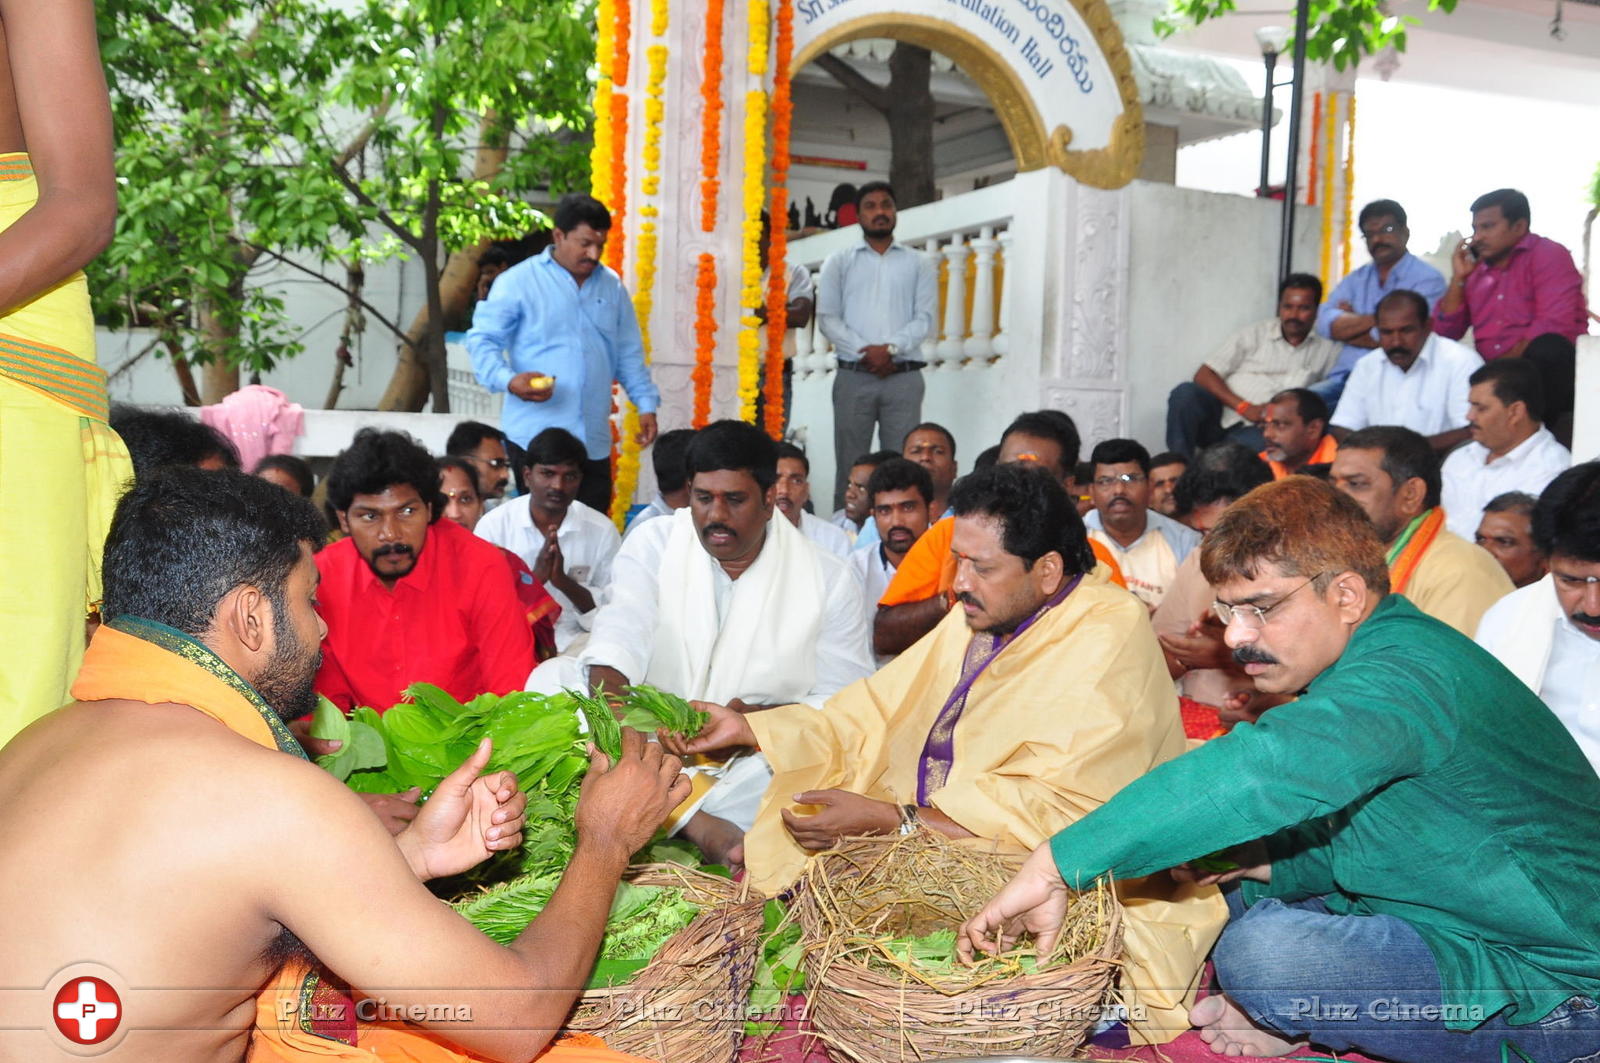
(1349, 315)
(876, 303)
(554, 334)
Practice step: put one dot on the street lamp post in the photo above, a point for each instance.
(1271, 39)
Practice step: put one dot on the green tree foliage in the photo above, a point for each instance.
(1341, 32)
(323, 136)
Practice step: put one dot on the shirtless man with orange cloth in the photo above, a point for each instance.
(182, 884)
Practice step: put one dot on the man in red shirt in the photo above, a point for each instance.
(406, 596)
(1521, 296)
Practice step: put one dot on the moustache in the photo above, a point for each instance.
(968, 598)
(712, 529)
(901, 533)
(1586, 619)
(393, 550)
(1252, 655)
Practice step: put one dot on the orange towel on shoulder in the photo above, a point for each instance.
(929, 567)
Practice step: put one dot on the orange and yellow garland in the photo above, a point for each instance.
(711, 118)
(705, 337)
(777, 250)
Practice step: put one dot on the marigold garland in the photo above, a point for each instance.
(623, 16)
(601, 154)
(617, 200)
(778, 247)
(760, 30)
(658, 18)
(705, 336)
(711, 118)
(751, 293)
(1349, 176)
(1329, 171)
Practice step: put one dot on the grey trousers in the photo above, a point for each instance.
(862, 402)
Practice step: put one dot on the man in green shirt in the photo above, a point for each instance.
(1413, 838)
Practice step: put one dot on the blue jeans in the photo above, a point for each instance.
(1330, 389)
(1194, 422)
(1369, 983)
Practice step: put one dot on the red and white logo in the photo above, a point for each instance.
(87, 1010)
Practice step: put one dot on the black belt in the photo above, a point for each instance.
(895, 367)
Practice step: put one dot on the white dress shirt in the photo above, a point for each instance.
(864, 298)
(1430, 397)
(1472, 480)
(625, 629)
(588, 542)
(825, 534)
(872, 567)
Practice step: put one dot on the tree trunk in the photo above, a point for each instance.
(219, 372)
(910, 117)
(409, 386)
(186, 384)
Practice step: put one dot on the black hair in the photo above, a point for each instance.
(987, 458)
(876, 458)
(1221, 472)
(577, 209)
(1382, 208)
(737, 446)
(930, 426)
(462, 465)
(467, 436)
(788, 450)
(377, 460)
(556, 446)
(1513, 204)
(1307, 281)
(1307, 404)
(843, 194)
(295, 468)
(1120, 452)
(157, 437)
(667, 459)
(182, 538)
(875, 186)
(1168, 457)
(495, 255)
(1406, 454)
(1512, 502)
(1567, 519)
(900, 474)
(1513, 380)
(1417, 301)
(1049, 424)
(1037, 514)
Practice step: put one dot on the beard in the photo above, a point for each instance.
(287, 682)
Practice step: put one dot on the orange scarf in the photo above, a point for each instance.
(1406, 553)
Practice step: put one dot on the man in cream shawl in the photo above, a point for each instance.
(1018, 714)
(723, 602)
(1548, 633)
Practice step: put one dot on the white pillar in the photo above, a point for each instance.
(931, 344)
(955, 302)
(979, 347)
(1002, 336)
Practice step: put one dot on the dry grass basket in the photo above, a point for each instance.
(688, 1004)
(870, 1006)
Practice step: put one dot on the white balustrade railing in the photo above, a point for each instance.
(971, 234)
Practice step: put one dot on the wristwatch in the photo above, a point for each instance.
(908, 819)
(894, 349)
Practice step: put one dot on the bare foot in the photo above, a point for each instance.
(1229, 1031)
(720, 841)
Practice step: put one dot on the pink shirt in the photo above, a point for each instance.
(1537, 290)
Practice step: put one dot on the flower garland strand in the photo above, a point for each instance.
(705, 336)
(711, 118)
(644, 265)
(1349, 175)
(600, 155)
(1329, 172)
(617, 200)
(751, 293)
(778, 247)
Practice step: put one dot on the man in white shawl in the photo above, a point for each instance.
(726, 602)
(1548, 633)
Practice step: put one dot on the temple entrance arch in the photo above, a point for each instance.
(1056, 71)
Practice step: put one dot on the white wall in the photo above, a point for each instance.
(1202, 264)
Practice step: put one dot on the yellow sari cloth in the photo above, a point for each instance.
(62, 467)
(1079, 705)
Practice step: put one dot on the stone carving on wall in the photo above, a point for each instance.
(1099, 286)
(1098, 413)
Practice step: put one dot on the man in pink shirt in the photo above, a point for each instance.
(1521, 295)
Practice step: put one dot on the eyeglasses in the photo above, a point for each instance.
(1253, 617)
(1367, 234)
(1120, 478)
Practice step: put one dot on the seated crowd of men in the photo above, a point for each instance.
(1257, 647)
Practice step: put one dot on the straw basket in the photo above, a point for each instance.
(688, 1004)
(871, 1006)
